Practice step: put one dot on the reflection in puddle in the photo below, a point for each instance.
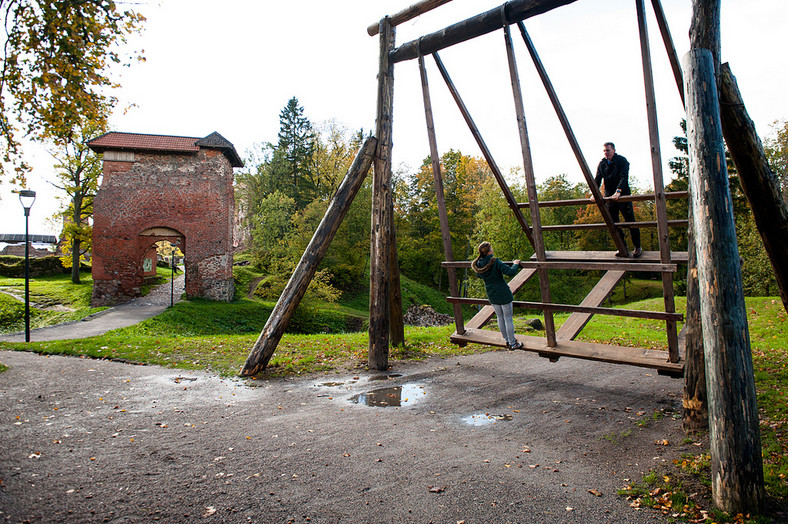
(484, 419)
(404, 395)
(384, 377)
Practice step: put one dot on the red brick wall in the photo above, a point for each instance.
(189, 193)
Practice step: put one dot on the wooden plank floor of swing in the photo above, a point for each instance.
(647, 358)
(606, 256)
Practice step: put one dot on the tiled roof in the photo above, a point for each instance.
(177, 144)
(140, 142)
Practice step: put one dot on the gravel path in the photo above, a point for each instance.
(498, 437)
(115, 317)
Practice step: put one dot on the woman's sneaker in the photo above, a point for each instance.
(516, 345)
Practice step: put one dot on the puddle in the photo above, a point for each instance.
(384, 377)
(405, 395)
(485, 419)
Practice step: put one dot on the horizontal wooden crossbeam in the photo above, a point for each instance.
(647, 358)
(671, 195)
(408, 13)
(616, 312)
(625, 264)
(623, 225)
(487, 22)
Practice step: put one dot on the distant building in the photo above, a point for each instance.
(158, 187)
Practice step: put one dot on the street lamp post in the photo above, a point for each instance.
(26, 198)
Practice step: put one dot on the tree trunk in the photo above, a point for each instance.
(75, 242)
(734, 434)
(76, 245)
(757, 179)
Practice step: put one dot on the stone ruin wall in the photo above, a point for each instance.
(189, 193)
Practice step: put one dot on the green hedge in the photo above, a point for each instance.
(14, 267)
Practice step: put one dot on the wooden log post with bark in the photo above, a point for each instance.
(734, 433)
(757, 179)
(382, 209)
(296, 287)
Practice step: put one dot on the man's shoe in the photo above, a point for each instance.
(638, 251)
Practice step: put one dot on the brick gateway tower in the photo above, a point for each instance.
(154, 188)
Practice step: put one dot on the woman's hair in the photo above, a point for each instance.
(484, 250)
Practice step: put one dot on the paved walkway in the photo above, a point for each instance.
(116, 317)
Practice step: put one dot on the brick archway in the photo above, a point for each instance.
(163, 188)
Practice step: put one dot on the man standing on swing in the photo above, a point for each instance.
(613, 170)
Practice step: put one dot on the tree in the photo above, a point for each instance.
(558, 187)
(54, 69)
(271, 225)
(417, 217)
(293, 157)
(776, 149)
(78, 171)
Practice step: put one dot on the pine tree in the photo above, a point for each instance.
(295, 149)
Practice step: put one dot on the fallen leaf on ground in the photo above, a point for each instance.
(437, 489)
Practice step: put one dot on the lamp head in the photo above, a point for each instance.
(26, 198)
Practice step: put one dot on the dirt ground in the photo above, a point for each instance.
(495, 437)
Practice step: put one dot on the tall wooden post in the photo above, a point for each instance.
(382, 208)
(734, 434)
(530, 182)
(659, 187)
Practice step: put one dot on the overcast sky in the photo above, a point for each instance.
(232, 66)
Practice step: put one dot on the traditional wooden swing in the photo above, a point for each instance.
(385, 320)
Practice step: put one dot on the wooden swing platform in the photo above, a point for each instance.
(565, 346)
(647, 358)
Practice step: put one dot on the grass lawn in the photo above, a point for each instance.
(53, 300)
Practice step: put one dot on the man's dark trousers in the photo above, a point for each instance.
(629, 216)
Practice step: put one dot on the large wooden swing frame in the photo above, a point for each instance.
(385, 316)
(560, 342)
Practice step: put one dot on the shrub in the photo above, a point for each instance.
(14, 267)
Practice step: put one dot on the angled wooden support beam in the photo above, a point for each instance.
(507, 193)
(577, 321)
(758, 182)
(294, 291)
(409, 13)
(448, 252)
(673, 57)
(487, 22)
(618, 239)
